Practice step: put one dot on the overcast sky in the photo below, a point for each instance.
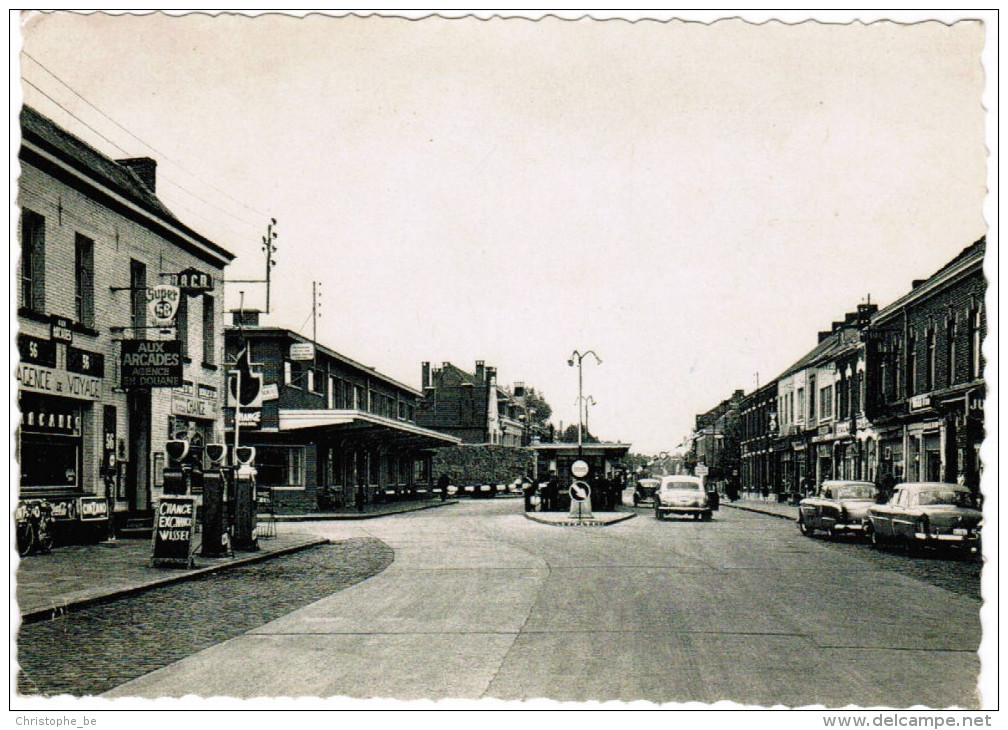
(692, 202)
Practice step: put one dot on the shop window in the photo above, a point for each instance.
(421, 471)
(280, 466)
(32, 261)
(209, 330)
(84, 280)
(826, 403)
(316, 382)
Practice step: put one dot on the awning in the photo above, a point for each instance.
(366, 426)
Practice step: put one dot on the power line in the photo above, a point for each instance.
(195, 196)
(142, 141)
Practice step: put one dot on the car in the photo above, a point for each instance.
(839, 508)
(644, 490)
(683, 495)
(927, 514)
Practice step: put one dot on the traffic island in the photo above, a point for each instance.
(562, 519)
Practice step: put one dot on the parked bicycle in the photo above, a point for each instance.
(33, 521)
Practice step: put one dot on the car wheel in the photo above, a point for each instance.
(831, 532)
(803, 528)
(911, 547)
(706, 516)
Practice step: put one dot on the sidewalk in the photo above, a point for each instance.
(73, 576)
(382, 509)
(775, 509)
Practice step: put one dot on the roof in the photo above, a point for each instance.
(585, 447)
(297, 419)
(837, 343)
(284, 333)
(49, 137)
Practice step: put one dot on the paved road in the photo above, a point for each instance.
(481, 602)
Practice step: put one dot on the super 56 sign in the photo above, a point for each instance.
(162, 303)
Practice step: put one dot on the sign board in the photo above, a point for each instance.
(270, 391)
(85, 362)
(579, 469)
(60, 330)
(56, 381)
(185, 405)
(701, 470)
(920, 402)
(171, 543)
(36, 351)
(151, 364)
(162, 303)
(191, 281)
(302, 351)
(93, 509)
(579, 491)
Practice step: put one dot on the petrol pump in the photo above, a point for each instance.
(175, 480)
(244, 496)
(214, 480)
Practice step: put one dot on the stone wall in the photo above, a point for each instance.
(482, 463)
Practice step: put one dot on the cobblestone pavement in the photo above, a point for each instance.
(100, 647)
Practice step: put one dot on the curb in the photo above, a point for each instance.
(760, 511)
(582, 523)
(45, 614)
(327, 516)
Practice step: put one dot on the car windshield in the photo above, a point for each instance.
(954, 497)
(856, 492)
(693, 486)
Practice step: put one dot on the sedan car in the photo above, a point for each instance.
(683, 495)
(927, 514)
(644, 490)
(839, 508)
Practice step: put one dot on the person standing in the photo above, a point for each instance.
(528, 490)
(442, 484)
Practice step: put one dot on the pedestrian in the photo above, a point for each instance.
(442, 484)
(552, 492)
(765, 492)
(528, 490)
(359, 496)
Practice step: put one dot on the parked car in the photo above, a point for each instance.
(926, 514)
(683, 495)
(840, 507)
(644, 490)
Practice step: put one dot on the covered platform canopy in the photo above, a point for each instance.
(364, 427)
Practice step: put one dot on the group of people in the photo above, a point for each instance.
(606, 494)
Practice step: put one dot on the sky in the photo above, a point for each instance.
(692, 202)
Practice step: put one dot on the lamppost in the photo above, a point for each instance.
(579, 357)
(583, 403)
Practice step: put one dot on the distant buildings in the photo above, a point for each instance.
(473, 406)
(893, 393)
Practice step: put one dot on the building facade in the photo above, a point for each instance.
(472, 406)
(95, 240)
(324, 422)
(925, 388)
(716, 439)
(760, 465)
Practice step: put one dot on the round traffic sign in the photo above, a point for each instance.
(579, 491)
(579, 468)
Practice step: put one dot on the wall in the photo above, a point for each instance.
(482, 464)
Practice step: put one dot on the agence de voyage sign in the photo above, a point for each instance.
(151, 364)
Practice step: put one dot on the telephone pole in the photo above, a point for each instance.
(269, 248)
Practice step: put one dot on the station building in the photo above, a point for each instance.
(322, 423)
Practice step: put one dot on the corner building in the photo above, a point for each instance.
(94, 237)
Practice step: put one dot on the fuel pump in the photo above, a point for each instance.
(175, 480)
(244, 494)
(214, 535)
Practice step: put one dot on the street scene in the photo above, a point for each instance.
(366, 358)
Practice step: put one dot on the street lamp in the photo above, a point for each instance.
(581, 356)
(584, 404)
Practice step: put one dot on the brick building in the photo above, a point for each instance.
(717, 437)
(924, 376)
(325, 420)
(94, 238)
(758, 424)
(472, 406)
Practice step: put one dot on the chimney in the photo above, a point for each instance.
(824, 335)
(491, 376)
(245, 317)
(519, 390)
(144, 168)
(479, 370)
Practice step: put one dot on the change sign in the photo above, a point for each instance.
(173, 531)
(151, 364)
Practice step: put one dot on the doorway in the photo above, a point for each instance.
(138, 470)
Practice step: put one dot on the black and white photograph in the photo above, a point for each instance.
(504, 361)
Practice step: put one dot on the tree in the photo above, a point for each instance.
(543, 410)
(570, 435)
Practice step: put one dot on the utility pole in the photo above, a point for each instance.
(316, 305)
(269, 248)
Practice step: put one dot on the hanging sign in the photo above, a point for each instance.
(302, 351)
(191, 281)
(162, 303)
(173, 531)
(151, 364)
(60, 330)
